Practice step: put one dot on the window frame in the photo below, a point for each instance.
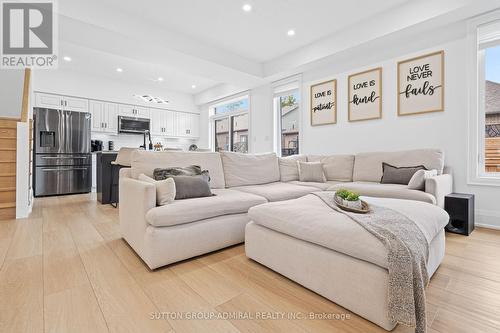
(476, 172)
(279, 121)
(229, 115)
(282, 88)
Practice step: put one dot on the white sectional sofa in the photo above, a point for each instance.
(187, 228)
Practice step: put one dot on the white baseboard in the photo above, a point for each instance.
(487, 226)
(488, 219)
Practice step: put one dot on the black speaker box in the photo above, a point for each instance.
(460, 207)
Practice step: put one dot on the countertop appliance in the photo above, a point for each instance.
(133, 125)
(96, 145)
(62, 158)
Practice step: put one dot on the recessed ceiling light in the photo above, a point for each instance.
(247, 7)
(160, 79)
(119, 70)
(193, 86)
(291, 32)
(66, 58)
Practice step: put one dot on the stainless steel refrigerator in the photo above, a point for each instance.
(62, 158)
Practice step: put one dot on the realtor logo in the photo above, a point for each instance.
(28, 35)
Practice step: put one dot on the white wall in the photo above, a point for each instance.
(261, 119)
(11, 93)
(447, 130)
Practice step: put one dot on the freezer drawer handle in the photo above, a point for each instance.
(63, 157)
(60, 169)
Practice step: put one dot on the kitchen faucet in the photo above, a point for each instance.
(148, 133)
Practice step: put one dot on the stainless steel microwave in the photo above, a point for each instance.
(133, 125)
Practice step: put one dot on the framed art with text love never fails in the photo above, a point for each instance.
(421, 84)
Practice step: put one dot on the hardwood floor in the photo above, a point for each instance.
(66, 269)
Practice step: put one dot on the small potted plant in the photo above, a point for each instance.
(349, 199)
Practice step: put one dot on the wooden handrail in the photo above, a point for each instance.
(26, 93)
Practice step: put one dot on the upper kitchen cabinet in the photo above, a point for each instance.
(188, 124)
(59, 102)
(104, 116)
(134, 111)
(157, 121)
(163, 122)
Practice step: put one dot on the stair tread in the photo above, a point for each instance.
(7, 205)
(7, 174)
(8, 137)
(7, 161)
(7, 189)
(9, 149)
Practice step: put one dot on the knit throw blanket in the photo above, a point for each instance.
(408, 252)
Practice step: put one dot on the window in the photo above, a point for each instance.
(484, 97)
(492, 109)
(288, 122)
(287, 117)
(232, 107)
(222, 135)
(240, 133)
(230, 125)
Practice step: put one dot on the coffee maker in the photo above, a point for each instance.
(95, 145)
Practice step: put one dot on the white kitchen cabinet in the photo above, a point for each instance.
(171, 123)
(134, 111)
(51, 101)
(111, 118)
(96, 109)
(187, 124)
(76, 104)
(157, 121)
(48, 101)
(104, 116)
(195, 125)
(163, 122)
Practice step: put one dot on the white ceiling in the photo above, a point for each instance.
(259, 35)
(214, 43)
(87, 60)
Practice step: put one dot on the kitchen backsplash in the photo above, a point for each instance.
(134, 140)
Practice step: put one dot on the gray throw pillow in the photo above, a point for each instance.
(191, 187)
(398, 175)
(192, 170)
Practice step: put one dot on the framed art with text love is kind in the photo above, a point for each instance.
(365, 95)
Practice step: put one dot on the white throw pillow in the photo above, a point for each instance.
(165, 189)
(311, 172)
(417, 181)
(288, 167)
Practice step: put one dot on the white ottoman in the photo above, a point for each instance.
(327, 252)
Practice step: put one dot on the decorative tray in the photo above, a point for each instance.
(365, 206)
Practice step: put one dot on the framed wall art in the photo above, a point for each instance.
(421, 84)
(365, 95)
(323, 98)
